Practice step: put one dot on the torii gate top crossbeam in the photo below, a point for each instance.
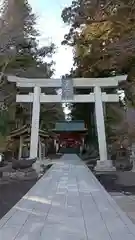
(77, 82)
(97, 96)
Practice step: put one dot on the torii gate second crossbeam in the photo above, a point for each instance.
(97, 96)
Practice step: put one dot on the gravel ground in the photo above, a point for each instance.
(123, 195)
(109, 183)
(12, 192)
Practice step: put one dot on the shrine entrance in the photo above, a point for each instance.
(96, 95)
(69, 136)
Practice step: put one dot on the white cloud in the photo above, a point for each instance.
(64, 62)
(52, 30)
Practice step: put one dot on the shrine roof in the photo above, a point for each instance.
(26, 129)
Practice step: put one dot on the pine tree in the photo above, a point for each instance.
(20, 55)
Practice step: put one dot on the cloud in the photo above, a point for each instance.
(54, 32)
(52, 29)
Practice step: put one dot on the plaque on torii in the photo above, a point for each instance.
(67, 90)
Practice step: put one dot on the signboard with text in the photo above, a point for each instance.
(67, 90)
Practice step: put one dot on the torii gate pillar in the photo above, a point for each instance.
(97, 97)
(100, 123)
(35, 123)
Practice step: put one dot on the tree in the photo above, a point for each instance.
(20, 55)
(19, 48)
(99, 31)
(102, 29)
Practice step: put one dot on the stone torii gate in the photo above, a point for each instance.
(36, 97)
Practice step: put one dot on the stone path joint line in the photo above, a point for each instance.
(67, 203)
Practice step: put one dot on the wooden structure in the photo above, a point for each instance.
(69, 136)
(21, 142)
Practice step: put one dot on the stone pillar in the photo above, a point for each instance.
(37, 165)
(133, 149)
(20, 147)
(56, 145)
(35, 123)
(100, 124)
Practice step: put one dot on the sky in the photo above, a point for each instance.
(52, 29)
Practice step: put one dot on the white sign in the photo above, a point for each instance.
(67, 89)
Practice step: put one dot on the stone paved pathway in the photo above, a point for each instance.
(67, 203)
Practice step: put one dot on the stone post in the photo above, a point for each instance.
(35, 123)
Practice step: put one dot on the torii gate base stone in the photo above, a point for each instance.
(97, 96)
